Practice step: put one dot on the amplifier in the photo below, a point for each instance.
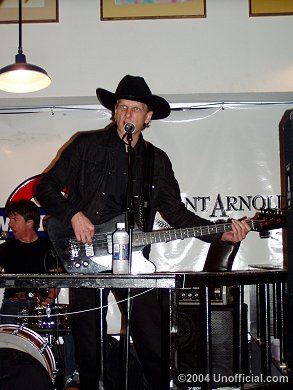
(229, 346)
(219, 295)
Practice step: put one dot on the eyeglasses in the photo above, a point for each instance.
(134, 109)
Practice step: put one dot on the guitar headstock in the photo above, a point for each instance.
(268, 219)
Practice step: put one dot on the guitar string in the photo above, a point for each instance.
(101, 239)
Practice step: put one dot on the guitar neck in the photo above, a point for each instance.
(165, 235)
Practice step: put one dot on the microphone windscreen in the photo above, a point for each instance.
(129, 127)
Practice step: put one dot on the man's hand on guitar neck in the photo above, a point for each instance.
(239, 231)
(83, 228)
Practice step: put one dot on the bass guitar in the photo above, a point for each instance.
(95, 258)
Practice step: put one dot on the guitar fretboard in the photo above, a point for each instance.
(165, 235)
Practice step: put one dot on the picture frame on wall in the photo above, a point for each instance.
(270, 7)
(33, 11)
(152, 9)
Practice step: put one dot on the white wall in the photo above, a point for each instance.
(227, 51)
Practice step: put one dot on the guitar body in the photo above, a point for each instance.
(80, 258)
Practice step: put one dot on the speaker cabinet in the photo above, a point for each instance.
(286, 166)
(228, 335)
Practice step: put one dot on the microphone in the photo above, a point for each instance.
(129, 127)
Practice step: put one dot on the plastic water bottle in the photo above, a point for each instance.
(120, 251)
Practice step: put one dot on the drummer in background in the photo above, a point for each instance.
(27, 253)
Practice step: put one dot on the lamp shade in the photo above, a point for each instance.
(22, 77)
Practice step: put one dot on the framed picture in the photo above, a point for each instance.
(152, 9)
(33, 11)
(270, 7)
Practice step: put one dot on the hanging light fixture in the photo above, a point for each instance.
(22, 77)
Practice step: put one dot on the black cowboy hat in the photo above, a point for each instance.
(134, 88)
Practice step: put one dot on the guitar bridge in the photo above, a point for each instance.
(73, 249)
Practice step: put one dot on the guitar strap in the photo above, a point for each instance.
(148, 175)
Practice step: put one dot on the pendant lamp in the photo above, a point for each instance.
(22, 77)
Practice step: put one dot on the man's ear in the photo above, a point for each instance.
(30, 222)
(149, 116)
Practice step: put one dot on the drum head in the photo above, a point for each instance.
(22, 345)
(19, 370)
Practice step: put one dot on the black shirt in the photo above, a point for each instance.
(118, 177)
(18, 257)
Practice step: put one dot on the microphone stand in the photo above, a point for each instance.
(130, 221)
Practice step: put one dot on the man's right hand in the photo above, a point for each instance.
(83, 228)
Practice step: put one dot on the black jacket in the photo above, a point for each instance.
(85, 166)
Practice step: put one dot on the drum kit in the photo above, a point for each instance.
(34, 338)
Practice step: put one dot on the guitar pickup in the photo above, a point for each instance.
(89, 250)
